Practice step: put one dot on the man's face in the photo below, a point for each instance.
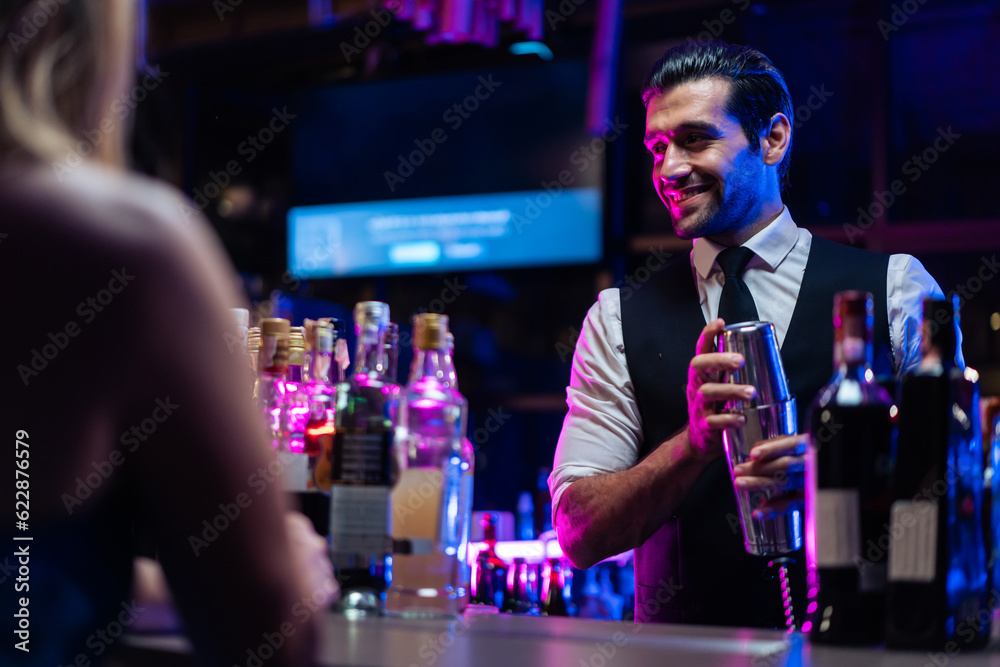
(703, 168)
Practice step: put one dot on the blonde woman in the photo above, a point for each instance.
(122, 402)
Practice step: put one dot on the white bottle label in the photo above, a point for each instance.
(838, 527)
(359, 520)
(295, 471)
(913, 527)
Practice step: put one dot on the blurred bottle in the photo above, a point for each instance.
(296, 413)
(937, 593)
(525, 516)
(848, 487)
(522, 581)
(390, 345)
(491, 571)
(432, 502)
(553, 595)
(320, 424)
(362, 471)
(253, 352)
(269, 390)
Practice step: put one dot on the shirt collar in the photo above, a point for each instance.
(771, 245)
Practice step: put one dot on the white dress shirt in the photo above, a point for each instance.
(602, 431)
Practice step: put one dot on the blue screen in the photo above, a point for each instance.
(432, 234)
(438, 173)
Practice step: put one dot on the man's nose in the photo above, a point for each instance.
(675, 163)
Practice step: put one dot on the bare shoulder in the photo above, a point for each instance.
(93, 206)
(93, 217)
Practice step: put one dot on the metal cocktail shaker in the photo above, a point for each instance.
(770, 413)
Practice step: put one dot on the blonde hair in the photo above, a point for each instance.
(62, 65)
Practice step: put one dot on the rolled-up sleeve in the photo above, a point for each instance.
(908, 284)
(602, 429)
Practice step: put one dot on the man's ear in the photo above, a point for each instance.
(776, 139)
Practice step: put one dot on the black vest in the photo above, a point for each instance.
(695, 568)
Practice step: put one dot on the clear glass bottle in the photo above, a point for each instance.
(390, 345)
(432, 502)
(937, 593)
(848, 466)
(319, 426)
(326, 374)
(362, 471)
(296, 413)
(269, 390)
(253, 351)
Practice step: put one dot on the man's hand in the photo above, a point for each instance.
(705, 392)
(776, 466)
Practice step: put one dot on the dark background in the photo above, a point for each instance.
(881, 92)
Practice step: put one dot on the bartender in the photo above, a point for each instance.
(639, 462)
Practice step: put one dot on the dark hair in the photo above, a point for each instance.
(758, 88)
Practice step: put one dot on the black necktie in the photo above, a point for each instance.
(736, 304)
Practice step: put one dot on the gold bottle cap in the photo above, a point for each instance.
(430, 331)
(275, 326)
(297, 337)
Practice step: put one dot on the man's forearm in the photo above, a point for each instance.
(604, 515)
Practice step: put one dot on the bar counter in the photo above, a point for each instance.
(502, 640)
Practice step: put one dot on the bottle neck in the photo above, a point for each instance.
(852, 356)
(273, 356)
(429, 363)
(320, 367)
(370, 360)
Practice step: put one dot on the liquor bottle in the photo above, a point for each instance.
(450, 376)
(521, 588)
(325, 376)
(847, 487)
(253, 350)
(390, 346)
(362, 471)
(432, 503)
(269, 390)
(554, 599)
(296, 396)
(491, 576)
(319, 426)
(937, 594)
(485, 591)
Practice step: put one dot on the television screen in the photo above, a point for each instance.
(475, 170)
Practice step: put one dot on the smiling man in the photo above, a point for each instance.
(639, 462)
